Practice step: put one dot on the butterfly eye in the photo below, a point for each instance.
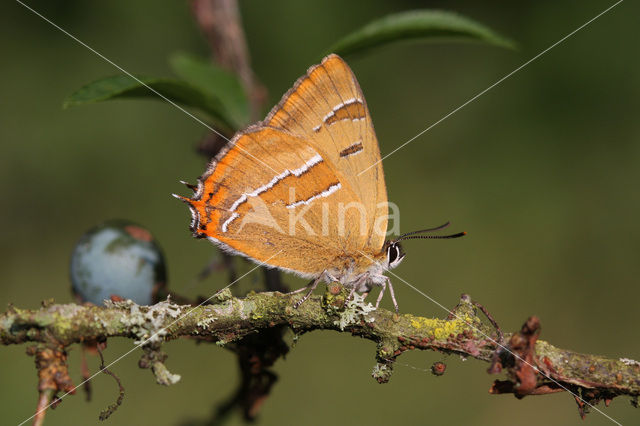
(394, 255)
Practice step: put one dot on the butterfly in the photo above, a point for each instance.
(303, 190)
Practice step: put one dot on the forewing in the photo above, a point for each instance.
(274, 198)
(326, 107)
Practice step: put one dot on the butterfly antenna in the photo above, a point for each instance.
(437, 228)
(433, 237)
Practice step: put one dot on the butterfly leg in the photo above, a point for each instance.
(350, 296)
(393, 296)
(383, 287)
(312, 286)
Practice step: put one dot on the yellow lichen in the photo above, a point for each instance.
(442, 329)
(421, 322)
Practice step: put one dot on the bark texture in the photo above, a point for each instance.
(531, 366)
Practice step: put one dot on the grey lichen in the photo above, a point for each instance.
(629, 361)
(205, 322)
(147, 322)
(355, 308)
(381, 372)
(163, 375)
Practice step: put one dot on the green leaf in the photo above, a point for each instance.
(216, 82)
(125, 87)
(418, 25)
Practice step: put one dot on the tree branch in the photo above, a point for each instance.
(532, 367)
(220, 22)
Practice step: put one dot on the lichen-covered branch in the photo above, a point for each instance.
(532, 366)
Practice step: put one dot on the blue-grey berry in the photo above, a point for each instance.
(118, 258)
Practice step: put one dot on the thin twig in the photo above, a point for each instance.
(104, 414)
(41, 409)
(492, 320)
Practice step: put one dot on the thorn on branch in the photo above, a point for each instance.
(493, 322)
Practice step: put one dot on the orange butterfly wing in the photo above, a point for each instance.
(270, 196)
(277, 193)
(327, 108)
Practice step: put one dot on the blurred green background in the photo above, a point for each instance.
(542, 171)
